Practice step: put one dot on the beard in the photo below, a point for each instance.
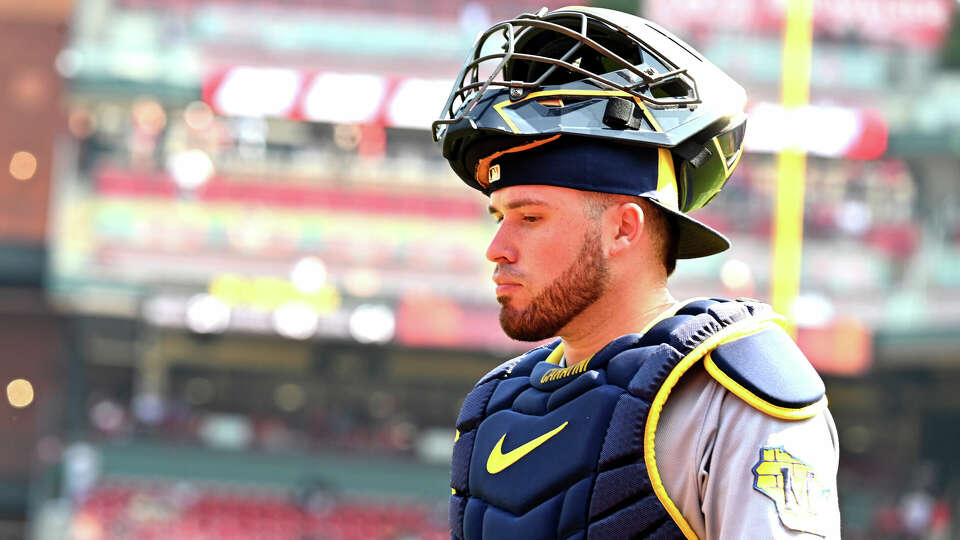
(580, 285)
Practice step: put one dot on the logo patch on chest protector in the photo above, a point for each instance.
(793, 485)
(498, 461)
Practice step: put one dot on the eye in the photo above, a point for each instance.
(498, 218)
(531, 219)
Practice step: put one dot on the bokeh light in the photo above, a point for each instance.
(81, 122)
(20, 393)
(736, 274)
(371, 323)
(23, 165)
(198, 115)
(190, 168)
(30, 88)
(289, 397)
(149, 116)
(309, 274)
(68, 63)
(296, 320)
(107, 415)
(207, 314)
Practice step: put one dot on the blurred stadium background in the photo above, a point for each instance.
(242, 295)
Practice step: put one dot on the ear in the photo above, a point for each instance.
(628, 227)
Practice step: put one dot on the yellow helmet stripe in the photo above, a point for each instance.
(598, 93)
(667, 191)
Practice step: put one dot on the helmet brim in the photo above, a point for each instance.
(694, 239)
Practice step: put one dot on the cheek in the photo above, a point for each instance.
(547, 251)
(551, 261)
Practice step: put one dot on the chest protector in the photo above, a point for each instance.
(549, 452)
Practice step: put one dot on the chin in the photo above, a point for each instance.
(508, 301)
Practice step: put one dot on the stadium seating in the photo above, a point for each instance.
(162, 510)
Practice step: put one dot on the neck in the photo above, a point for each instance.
(612, 317)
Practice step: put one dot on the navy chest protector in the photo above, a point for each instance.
(550, 452)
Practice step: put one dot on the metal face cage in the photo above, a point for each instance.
(668, 89)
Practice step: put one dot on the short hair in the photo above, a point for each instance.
(665, 237)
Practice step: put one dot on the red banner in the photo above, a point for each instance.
(349, 98)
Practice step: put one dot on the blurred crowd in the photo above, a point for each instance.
(158, 511)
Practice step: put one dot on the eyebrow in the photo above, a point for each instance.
(519, 203)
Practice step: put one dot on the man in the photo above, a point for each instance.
(593, 133)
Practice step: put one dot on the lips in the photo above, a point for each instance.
(501, 277)
(507, 279)
(506, 288)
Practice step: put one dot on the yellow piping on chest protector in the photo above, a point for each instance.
(783, 413)
(733, 332)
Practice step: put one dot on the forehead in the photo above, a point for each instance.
(558, 198)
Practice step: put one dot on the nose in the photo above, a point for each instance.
(501, 248)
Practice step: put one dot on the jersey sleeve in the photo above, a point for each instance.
(736, 472)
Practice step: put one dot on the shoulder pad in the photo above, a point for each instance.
(521, 365)
(768, 371)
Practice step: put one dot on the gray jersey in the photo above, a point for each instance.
(710, 453)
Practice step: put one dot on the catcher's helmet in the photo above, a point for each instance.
(605, 91)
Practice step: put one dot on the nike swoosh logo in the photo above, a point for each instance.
(498, 461)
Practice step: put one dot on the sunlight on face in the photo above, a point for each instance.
(550, 264)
